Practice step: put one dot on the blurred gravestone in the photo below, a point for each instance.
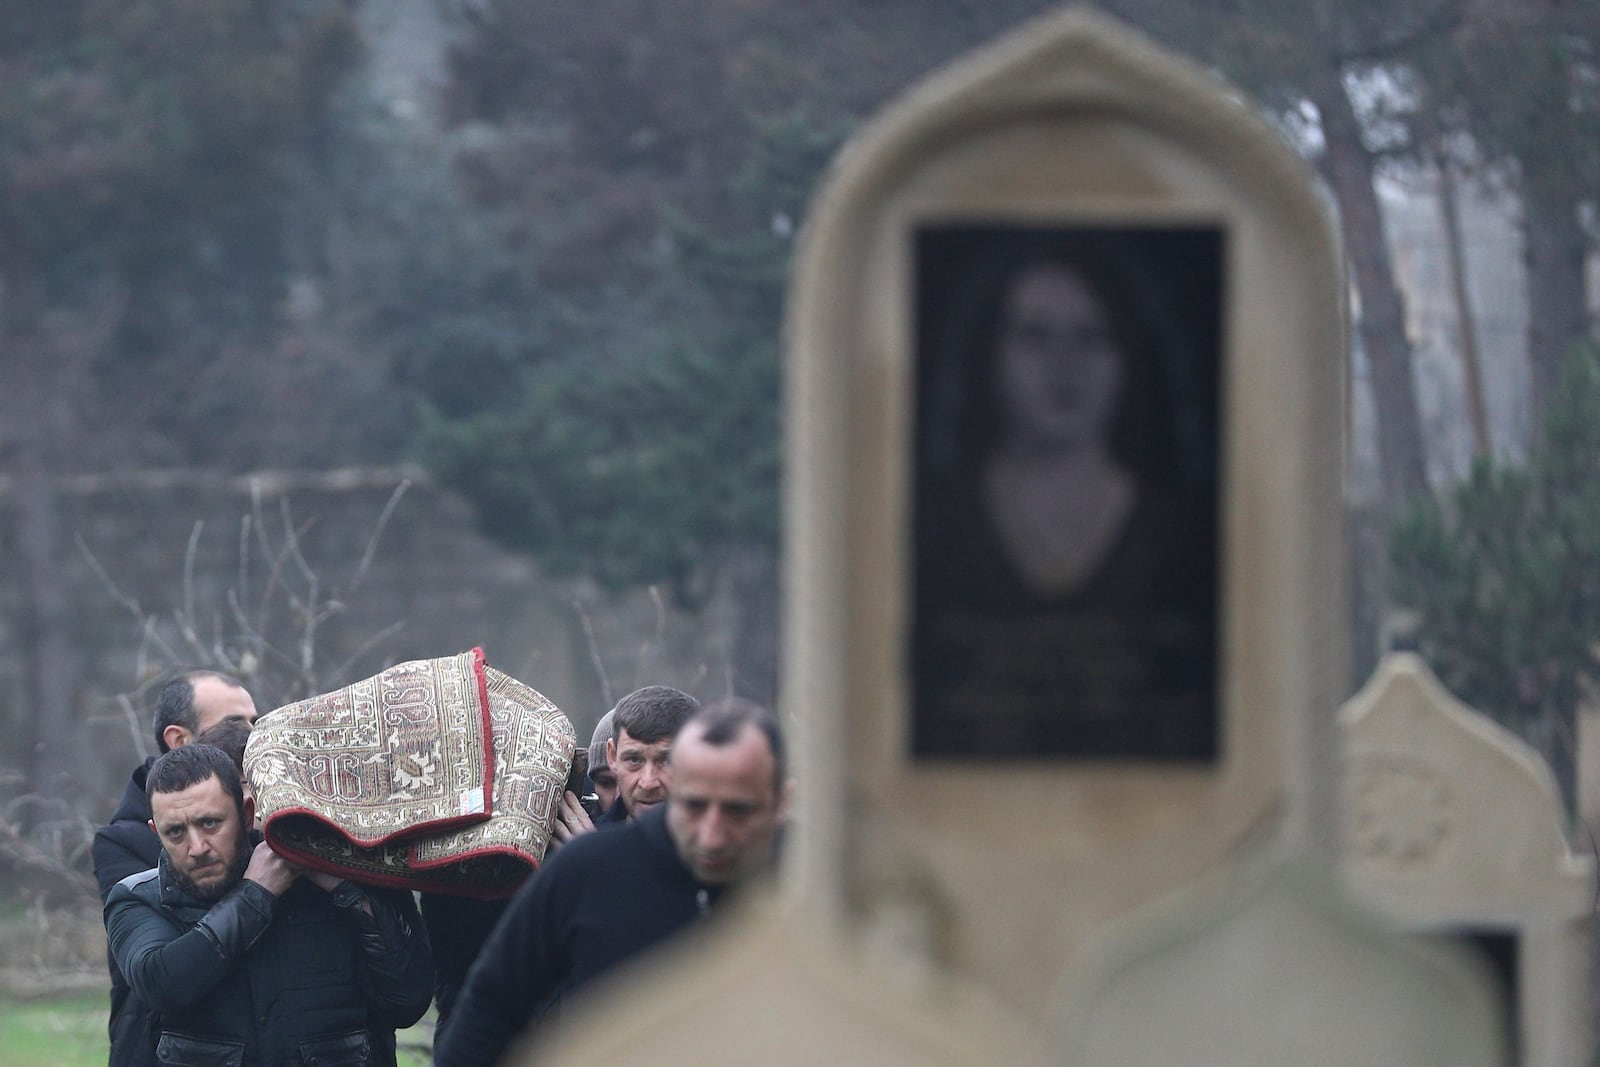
(1452, 823)
(1264, 966)
(1006, 746)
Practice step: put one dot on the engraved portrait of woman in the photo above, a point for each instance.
(1066, 493)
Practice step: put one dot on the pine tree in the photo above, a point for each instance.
(1504, 575)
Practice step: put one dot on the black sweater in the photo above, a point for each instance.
(600, 900)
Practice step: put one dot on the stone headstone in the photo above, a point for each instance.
(766, 987)
(1452, 823)
(953, 803)
(1266, 966)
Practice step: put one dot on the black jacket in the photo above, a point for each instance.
(126, 845)
(459, 927)
(258, 979)
(600, 900)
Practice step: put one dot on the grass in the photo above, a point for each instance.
(70, 1031)
(67, 1031)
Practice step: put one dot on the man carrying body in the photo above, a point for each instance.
(609, 896)
(242, 957)
(187, 706)
(460, 926)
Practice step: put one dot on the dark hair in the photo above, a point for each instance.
(986, 414)
(175, 704)
(722, 721)
(965, 277)
(189, 765)
(654, 713)
(230, 735)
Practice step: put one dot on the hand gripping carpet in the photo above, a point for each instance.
(441, 775)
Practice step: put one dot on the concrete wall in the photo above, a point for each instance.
(431, 578)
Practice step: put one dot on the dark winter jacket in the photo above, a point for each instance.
(126, 845)
(601, 899)
(258, 979)
(458, 928)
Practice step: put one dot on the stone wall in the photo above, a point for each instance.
(432, 587)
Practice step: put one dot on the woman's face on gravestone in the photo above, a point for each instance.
(1058, 369)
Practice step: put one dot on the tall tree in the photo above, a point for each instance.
(1504, 574)
(1304, 61)
(657, 204)
(1522, 82)
(138, 143)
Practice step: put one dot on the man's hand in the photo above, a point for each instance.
(571, 820)
(328, 883)
(270, 870)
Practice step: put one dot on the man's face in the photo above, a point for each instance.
(605, 786)
(205, 838)
(725, 807)
(214, 701)
(643, 770)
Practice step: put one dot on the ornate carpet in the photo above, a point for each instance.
(440, 775)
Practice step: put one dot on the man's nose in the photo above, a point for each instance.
(650, 777)
(713, 830)
(199, 844)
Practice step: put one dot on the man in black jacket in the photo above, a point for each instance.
(646, 721)
(606, 897)
(187, 706)
(241, 957)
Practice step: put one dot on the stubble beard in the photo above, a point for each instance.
(233, 876)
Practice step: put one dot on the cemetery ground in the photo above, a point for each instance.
(54, 993)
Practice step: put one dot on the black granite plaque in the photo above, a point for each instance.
(1065, 524)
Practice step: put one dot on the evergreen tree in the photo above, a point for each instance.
(1504, 575)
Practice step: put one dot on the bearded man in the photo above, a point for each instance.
(244, 958)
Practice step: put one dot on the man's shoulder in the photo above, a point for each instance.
(144, 886)
(128, 833)
(133, 808)
(601, 847)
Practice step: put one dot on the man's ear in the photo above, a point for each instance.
(611, 753)
(176, 736)
(152, 824)
(249, 811)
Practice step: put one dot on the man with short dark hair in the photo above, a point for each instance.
(640, 749)
(243, 958)
(188, 705)
(607, 897)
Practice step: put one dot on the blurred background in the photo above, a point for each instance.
(338, 333)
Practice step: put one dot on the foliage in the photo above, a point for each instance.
(146, 136)
(151, 184)
(641, 464)
(1504, 573)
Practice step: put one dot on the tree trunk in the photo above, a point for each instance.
(1382, 318)
(1554, 248)
(756, 641)
(1471, 365)
(31, 407)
